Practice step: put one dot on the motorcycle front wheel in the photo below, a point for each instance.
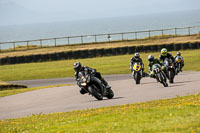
(95, 92)
(171, 77)
(137, 78)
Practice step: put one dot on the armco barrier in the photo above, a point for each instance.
(97, 52)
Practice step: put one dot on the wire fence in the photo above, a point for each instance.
(98, 38)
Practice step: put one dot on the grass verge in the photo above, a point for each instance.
(105, 65)
(12, 91)
(180, 114)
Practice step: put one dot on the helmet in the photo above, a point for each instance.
(151, 58)
(137, 55)
(164, 52)
(178, 53)
(77, 66)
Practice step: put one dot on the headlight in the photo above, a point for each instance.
(83, 84)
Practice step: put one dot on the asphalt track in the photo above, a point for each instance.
(68, 98)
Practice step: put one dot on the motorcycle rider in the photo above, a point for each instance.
(151, 62)
(165, 54)
(136, 58)
(182, 61)
(78, 68)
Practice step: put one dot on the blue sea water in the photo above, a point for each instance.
(100, 26)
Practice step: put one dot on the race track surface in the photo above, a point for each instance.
(68, 98)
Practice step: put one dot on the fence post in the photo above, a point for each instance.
(68, 40)
(41, 43)
(14, 45)
(175, 31)
(189, 31)
(122, 36)
(27, 45)
(135, 35)
(149, 34)
(82, 39)
(95, 38)
(109, 37)
(55, 41)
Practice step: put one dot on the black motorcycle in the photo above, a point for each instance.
(93, 86)
(178, 64)
(159, 74)
(137, 72)
(169, 69)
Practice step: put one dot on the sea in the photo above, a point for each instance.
(100, 26)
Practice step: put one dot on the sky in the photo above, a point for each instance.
(38, 11)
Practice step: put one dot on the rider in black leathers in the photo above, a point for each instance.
(78, 68)
(136, 58)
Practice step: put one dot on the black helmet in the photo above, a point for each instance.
(151, 58)
(178, 53)
(137, 55)
(77, 66)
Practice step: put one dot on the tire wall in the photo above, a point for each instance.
(79, 54)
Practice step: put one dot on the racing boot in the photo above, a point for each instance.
(107, 87)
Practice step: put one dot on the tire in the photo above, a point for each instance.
(176, 71)
(96, 89)
(159, 77)
(165, 84)
(110, 94)
(137, 78)
(171, 77)
(163, 80)
(95, 92)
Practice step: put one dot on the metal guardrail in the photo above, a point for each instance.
(85, 39)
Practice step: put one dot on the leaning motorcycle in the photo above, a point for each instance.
(137, 72)
(169, 69)
(178, 64)
(159, 74)
(93, 86)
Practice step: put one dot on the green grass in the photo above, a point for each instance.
(180, 114)
(106, 65)
(12, 91)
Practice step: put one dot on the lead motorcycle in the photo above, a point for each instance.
(93, 86)
(137, 72)
(159, 74)
(169, 69)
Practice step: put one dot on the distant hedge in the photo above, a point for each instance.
(11, 86)
(96, 52)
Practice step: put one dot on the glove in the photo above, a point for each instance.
(162, 68)
(151, 74)
(94, 70)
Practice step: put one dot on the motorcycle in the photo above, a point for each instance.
(137, 72)
(178, 64)
(169, 69)
(93, 86)
(160, 75)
